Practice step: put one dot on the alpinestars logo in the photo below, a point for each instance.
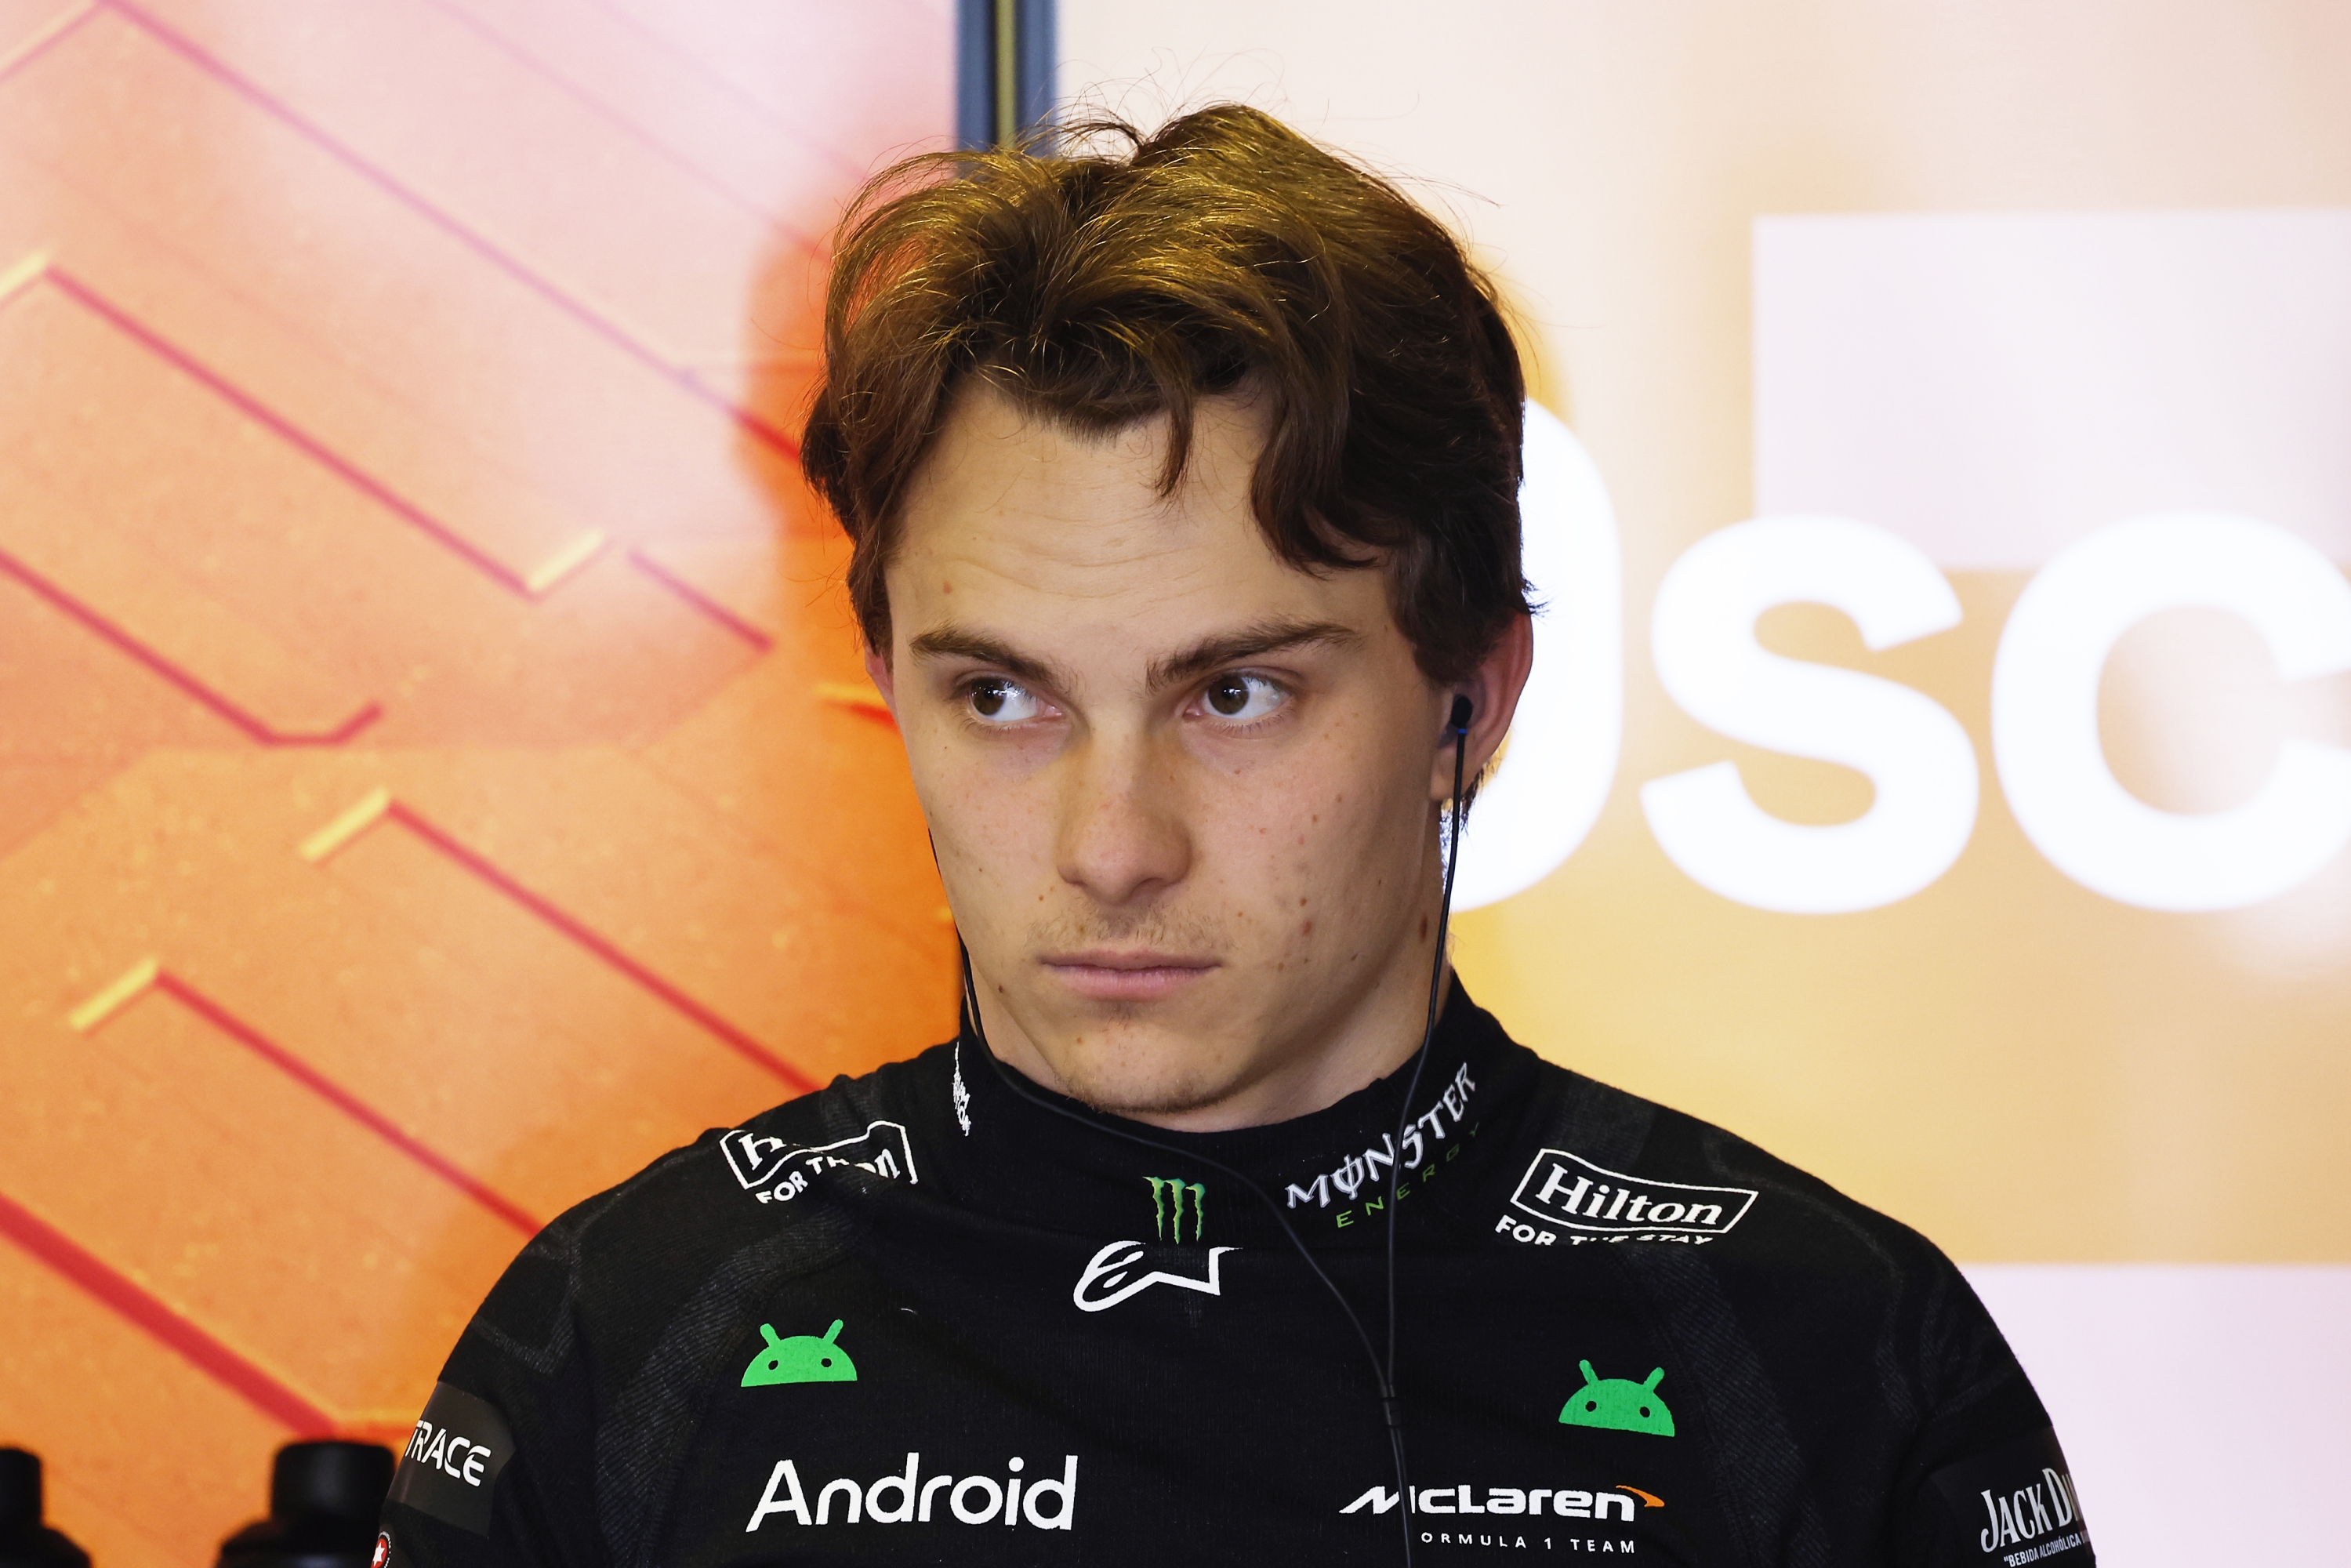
(1114, 1274)
(1357, 1171)
(779, 1172)
(1571, 1192)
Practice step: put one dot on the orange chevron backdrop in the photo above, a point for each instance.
(436, 774)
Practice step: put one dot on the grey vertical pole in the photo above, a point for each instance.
(1004, 69)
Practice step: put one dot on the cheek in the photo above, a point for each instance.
(975, 816)
(1337, 845)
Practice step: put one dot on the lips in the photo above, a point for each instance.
(1125, 976)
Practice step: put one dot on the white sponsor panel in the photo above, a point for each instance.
(1996, 386)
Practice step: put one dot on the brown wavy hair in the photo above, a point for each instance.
(1112, 276)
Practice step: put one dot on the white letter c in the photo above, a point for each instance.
(2044, 711)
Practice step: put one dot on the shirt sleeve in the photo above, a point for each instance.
(1986, 1484)
(499, 1469)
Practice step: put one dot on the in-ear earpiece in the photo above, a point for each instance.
(1458, 721)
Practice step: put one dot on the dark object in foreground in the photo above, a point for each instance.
(323, 1502)
(24, 1541)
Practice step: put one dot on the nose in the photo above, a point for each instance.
(1123, 837)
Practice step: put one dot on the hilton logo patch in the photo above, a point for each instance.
(778, 1171)
(1572, 1193)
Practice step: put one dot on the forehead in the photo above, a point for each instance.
(1025, 530)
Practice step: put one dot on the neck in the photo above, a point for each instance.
(1371, 1039)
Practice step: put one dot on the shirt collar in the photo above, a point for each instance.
(1327, 1173)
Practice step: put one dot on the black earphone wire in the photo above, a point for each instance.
(1382, 1370)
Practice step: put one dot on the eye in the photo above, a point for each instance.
(996, 701)
(1242, 698)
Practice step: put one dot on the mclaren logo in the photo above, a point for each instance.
(1559, 1502)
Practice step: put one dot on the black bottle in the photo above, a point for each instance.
(24, 1541)
(323, 1502)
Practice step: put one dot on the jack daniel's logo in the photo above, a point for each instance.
(1570, 1191)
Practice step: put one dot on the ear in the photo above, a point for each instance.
(1656, 1376)
(830, 1333)
(1493, 689)
(878, 671)
(1589, 1376)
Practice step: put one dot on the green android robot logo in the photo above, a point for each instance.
(1619, 1403)
(803, 1358)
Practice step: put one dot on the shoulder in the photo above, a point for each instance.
(1604, 1163)
(1724, 1232)
(588, 1358)
(736, 1210)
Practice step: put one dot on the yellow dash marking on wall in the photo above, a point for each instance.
(24, 273)
(348, 826)
(39, 39)
(566, 561)
(101, 1006)
(851, 693)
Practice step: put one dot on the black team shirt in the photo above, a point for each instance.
(915, 1319)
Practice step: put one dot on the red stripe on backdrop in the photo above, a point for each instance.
(162, 1323)
(286, 430)
(750, 1048)
(343, 1100)
(496, 255)
(106, 630)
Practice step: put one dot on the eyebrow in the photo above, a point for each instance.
(1247, 642)
(958, 643)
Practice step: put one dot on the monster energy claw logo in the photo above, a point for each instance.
(1167, 1196)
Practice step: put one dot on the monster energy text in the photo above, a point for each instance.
(1357, 1172)
(1167, 1201)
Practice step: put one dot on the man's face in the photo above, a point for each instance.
(1181, 791)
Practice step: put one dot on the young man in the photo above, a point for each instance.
(1181, 479)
